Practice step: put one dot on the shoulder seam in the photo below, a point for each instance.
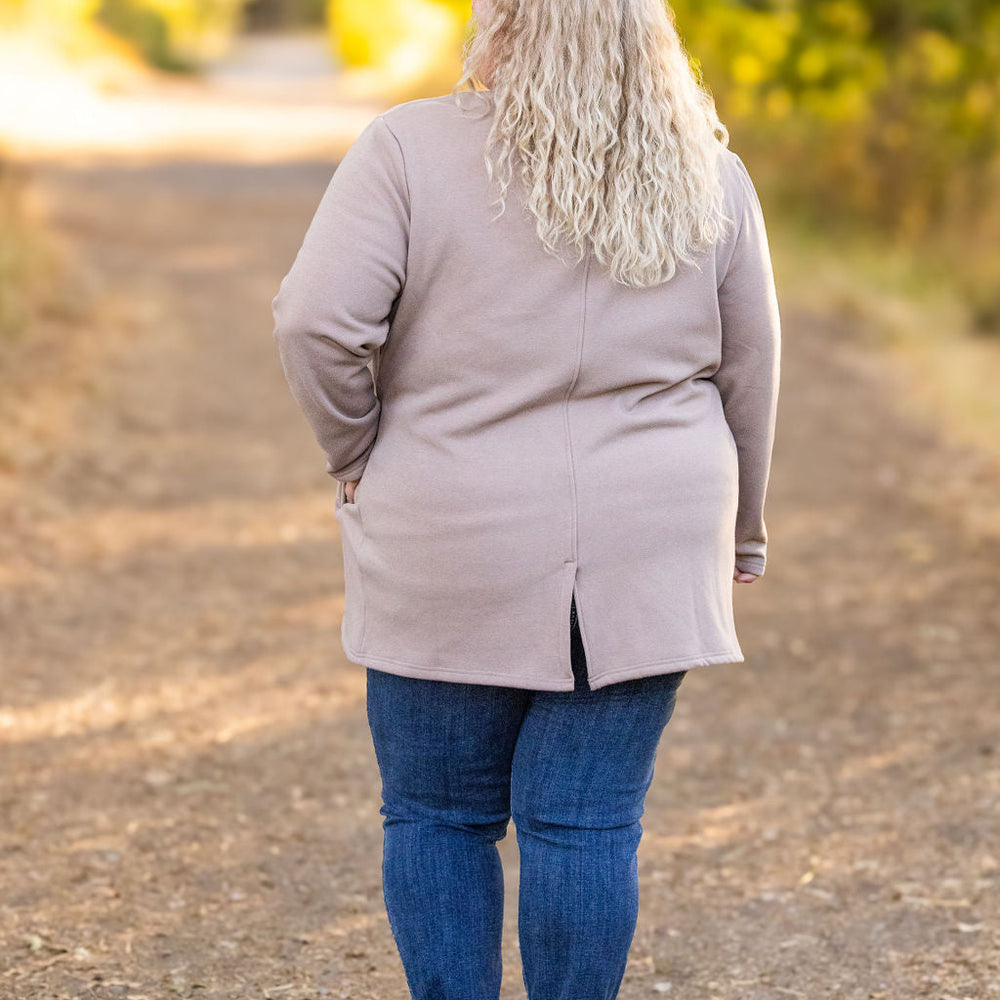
(416, 100)
(402, 157)
(743, 196)
(741, 168)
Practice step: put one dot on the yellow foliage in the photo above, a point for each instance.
(980, 100)
(852, 101)
(405, 37)
(778, 103)
(941, 57)
(742, 102)
(895, 135)
(785, 24)
(812, 63)
(365, 33)
(63, 12)
(846, 17)
(190, 29)
(746, 68)
(770, 35)
(199, 29)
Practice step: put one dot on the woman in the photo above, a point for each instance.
(534, 328)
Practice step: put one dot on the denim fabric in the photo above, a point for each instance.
(572, 768)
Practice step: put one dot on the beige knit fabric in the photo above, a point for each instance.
(522, 426)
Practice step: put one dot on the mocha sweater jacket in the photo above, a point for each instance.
(526, 428)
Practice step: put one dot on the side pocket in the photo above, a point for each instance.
(353, 541)
(341, 496)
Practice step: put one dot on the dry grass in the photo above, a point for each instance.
(189, 795)
(49, 308)
(927, 308)
(25, 259)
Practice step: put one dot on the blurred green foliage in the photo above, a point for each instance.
(888, 110)
(169, 34)
(173, 34)
(878, 114)
(884, 112)
(147, 28)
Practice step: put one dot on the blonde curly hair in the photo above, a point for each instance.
(616, 139)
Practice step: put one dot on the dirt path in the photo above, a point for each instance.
(189, 796)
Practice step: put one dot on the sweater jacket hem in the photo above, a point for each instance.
(479, 676)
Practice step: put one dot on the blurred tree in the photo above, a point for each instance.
(170, 34)
(890, 108)
(268, 15)
(883, 112)
(416, 44)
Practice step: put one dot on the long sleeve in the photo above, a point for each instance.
(749, 374)
(332, 310)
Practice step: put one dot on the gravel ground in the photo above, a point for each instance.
(189, 794)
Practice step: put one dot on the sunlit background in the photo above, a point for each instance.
(871, 125)
(188, 801)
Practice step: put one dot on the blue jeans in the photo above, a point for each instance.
(572, 768)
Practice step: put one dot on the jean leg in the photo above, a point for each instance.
(582, 766)
(444, 752)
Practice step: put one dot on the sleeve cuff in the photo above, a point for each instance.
(349, 475)
(751, 564)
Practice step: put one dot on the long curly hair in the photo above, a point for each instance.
(614, 137)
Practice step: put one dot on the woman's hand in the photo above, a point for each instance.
(741, 577)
